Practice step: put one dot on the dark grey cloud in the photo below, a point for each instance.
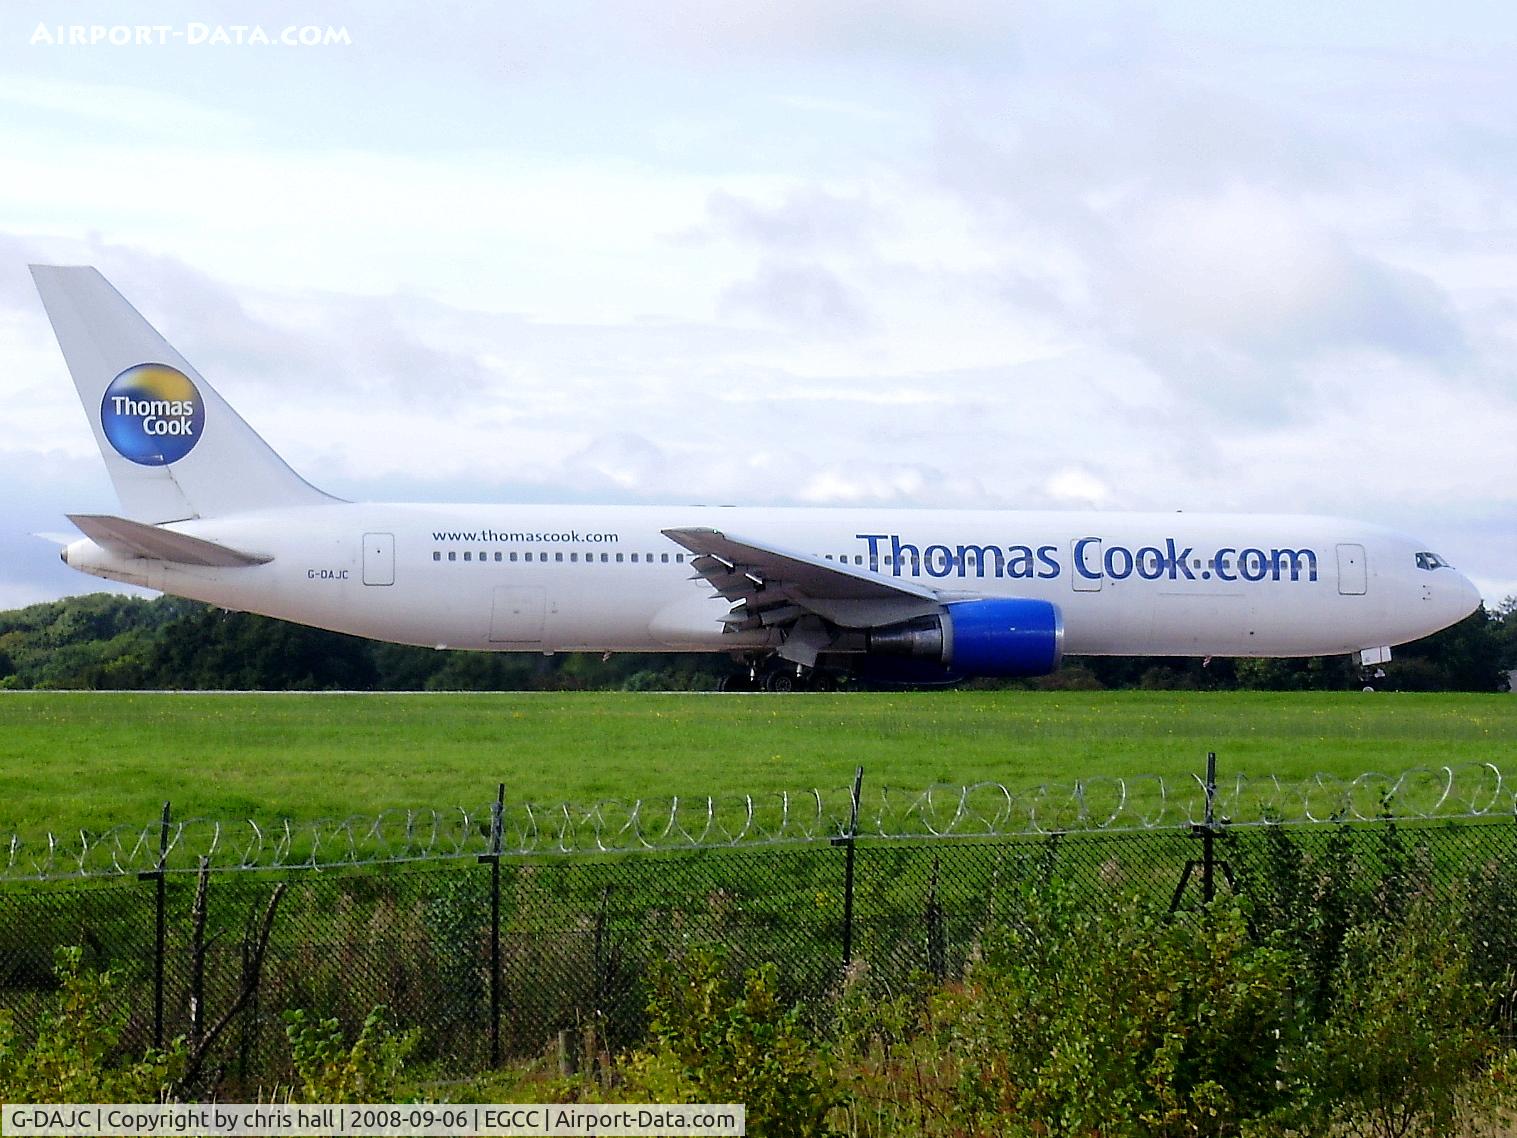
(940, 33)
(1398, 310)
(1236, 334)
(297, 342)
(1181, 217)
(41, 487)
(808, 298)
(807, 220)
(17, 293)
(617, 462)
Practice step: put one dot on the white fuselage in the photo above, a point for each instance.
(570, 578)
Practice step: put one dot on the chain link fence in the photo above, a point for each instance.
(496, 947)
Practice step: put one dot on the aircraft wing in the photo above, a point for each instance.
(770, 586)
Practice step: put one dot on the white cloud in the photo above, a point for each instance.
(115, 106)
(1076, 486)
(1250, 269)
(837, 253)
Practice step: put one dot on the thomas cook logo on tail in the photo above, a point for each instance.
(152, 414)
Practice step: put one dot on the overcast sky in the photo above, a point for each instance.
(922, 253)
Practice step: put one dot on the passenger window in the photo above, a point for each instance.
(497, 555)
(436, 555)
(618, 558)
(513, 555)
(558, 557)
(634, 558)
(468, 556)
(679, 558)
(452, 556)
(604, 558)
(664, 557)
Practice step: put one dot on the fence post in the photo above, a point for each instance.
(1207, 830)
(602, 960)
(160, 934)
(848, 841)
(1209, 834)
(937, 934)
(497, 810)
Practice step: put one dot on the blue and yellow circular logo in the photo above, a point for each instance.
(152, 414)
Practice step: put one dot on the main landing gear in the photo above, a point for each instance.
(777, 676)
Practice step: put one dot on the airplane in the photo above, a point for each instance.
(796, 596)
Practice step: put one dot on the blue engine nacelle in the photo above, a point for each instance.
(1016, 637)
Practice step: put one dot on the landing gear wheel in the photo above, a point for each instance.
(780, 681)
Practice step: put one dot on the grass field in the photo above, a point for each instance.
(70, 760)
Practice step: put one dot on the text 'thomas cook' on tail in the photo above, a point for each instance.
(174, 448)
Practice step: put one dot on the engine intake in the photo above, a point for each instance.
(991, 637)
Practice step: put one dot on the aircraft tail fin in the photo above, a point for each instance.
(173, 447)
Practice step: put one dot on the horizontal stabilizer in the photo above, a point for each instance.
(137, 539)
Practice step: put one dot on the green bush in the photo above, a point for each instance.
(331, 1071)
(77, 1054)
(1407, 1029)
(1117, 1021)
(715, 1043)
(1347, 993)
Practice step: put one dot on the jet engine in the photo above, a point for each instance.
(990, 637)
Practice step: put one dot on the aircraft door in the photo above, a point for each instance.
(1353, 579)
(1086, 552)
(379, 559)
(516, 616)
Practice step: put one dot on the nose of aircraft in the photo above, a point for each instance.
(1464, 598)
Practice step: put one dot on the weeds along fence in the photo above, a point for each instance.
(510, 930)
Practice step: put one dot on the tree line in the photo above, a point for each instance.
(109, 641)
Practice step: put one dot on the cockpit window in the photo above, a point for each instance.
(1431, 561)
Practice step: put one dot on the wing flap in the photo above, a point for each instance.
(769, 586)
(747, 567)
(138, 539)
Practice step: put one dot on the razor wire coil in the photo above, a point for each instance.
(1101, 804)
